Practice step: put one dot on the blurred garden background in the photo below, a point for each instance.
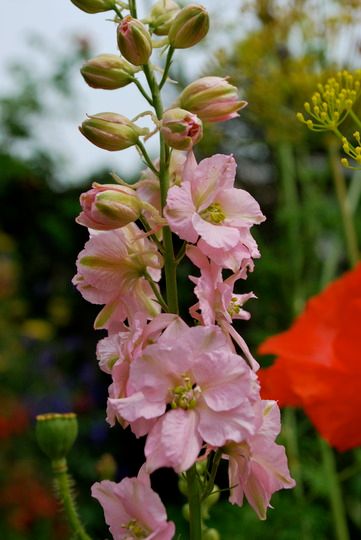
(276, 51)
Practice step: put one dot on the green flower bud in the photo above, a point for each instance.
(189, 26)
(162, 15)
(94, 6)
(111, 131)
(134, 41)
(108, 71)
(183, 486)
(56, 433)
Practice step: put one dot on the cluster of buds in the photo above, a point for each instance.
(170, 379)
(352, 150)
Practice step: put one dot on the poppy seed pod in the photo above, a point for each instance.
(111, 131)
(56, 433)
(181, 129)
(108, 71)
(94, 6)
(162, 15)
(134, 41)
(189, 27)
(213, 99)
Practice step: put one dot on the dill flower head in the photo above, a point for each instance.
(332, 101)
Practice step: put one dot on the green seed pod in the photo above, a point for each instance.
(56, 433)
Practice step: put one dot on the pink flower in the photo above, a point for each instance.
(208, 387)
(133, 510)
(217, 301)
(111, 270)
(207, 206)
(257, 465)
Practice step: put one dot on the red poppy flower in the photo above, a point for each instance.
(318, 365)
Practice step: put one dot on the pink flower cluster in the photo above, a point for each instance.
(190, 390)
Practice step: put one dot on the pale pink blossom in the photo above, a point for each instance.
(208, 387)
(208, 207)
(217, 301)
(133, 510)
(111, 271)
(258, 465)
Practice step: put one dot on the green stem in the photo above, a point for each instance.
(355, 118)
(142, 91)
(210, 483)
(133, 8)
(338, 510)
(118, 12)
(170, 265)
(64, 493)
(156, 292)
(194, 499)
(346, 212)
(147, 159)
(168, 63)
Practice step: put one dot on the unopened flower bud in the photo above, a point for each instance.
(162, 15)
(111, 131)
(181, 129)
(134, 41)
(56, 433)
(109, 206)
(189, 26)
(94, 6)
(108, 71)
(213, 99)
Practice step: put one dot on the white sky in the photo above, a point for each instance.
(58, 21)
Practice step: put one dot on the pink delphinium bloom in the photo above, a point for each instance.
(217, 301)
(133, 510)
(111, 270)
(208, 207)
(258, 465)
(209, 388)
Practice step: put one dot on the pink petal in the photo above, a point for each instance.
(179, 211)
(174, 441)
(217, 236)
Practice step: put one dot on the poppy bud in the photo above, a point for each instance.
(189, 26)
(109, 206)
(134, 41)
(94, 6)
(162, 15)
(181, 129)
(213, 99)
(108, 71)
(111, 131)
(56, 433)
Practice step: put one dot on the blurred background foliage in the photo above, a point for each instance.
(47, 345)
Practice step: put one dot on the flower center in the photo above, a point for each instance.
(234, 307)
(214, 214)
(185, 396)
(136, 530)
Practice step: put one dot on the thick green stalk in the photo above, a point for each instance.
(344, 205)
(64, 493)
(338, 509)
(170, 264)
(194, 500)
